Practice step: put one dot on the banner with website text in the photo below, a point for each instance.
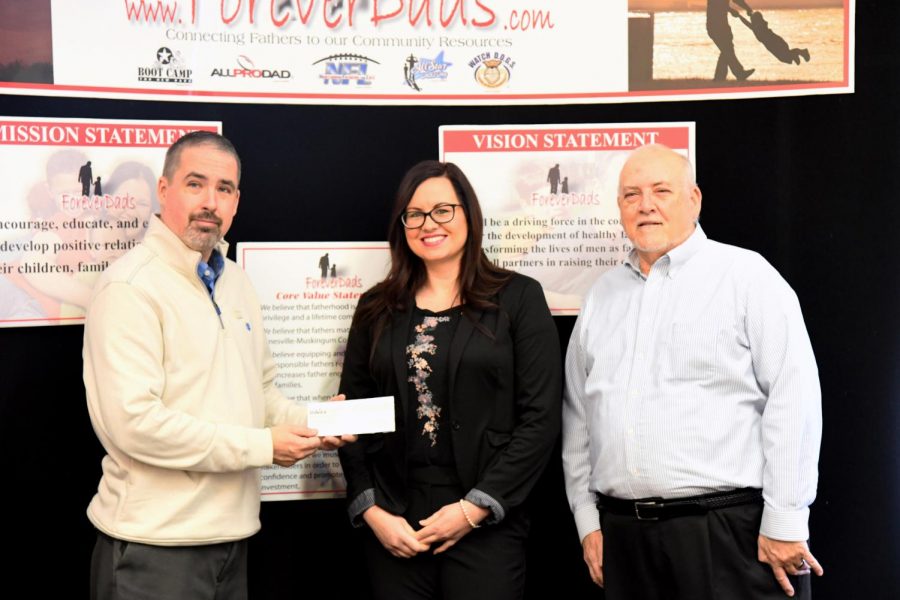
(79, 194)
(427, 51)
(548, 195)
(308, 292)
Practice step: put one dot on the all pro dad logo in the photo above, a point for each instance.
(247, 69)
(169, 67)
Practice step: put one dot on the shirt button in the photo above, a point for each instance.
(455, 425)
(633, 394)
(631, 432)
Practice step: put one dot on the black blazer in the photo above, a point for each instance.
(505, 399)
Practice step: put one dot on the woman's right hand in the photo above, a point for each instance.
(394, 533)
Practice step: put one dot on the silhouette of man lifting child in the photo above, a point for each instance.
(773, 42)
(719, 30)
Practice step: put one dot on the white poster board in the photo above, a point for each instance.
(548, 195)
(308, 293)
(451, 52)
(79, 193)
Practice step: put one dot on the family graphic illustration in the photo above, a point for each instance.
(86, 179)
(557, 182)
(719, 29)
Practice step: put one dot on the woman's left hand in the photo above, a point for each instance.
(449, 524)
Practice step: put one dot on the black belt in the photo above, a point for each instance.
(654, 509)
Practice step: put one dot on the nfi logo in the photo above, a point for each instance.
(346, 69)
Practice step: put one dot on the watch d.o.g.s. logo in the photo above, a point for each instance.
(492, 69)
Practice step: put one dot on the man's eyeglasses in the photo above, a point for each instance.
(442, 213)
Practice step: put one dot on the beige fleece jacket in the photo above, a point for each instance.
(179, 396)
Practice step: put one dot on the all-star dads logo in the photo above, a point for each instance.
(420, 68)
(492, 69)
(246, 69)
(169, 67)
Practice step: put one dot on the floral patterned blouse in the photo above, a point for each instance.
(427, 367)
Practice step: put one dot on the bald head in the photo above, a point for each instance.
(663, 155)
(658, 200)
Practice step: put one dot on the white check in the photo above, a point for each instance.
(366, 415)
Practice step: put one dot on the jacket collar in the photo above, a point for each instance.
(402, 323)
(163, 242)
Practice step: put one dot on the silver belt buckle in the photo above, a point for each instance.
(637, 510)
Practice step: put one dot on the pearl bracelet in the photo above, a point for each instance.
(462, 507)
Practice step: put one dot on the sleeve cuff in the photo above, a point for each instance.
(361, 504)
(587, 519)
(261, 452)
(479, 498)
(786, 526)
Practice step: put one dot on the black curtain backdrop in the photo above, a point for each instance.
(807, 182)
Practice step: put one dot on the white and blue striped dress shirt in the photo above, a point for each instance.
(697, 378)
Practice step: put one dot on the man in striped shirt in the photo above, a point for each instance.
(692, 416)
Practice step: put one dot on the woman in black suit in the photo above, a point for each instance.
(471, 356)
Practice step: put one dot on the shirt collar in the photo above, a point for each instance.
(682, 253)
(677, 257)
(209, 272)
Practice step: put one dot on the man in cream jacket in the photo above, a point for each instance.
(181, 393)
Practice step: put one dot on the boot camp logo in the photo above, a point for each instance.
(169, 67)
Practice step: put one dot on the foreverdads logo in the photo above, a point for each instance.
(169, 67)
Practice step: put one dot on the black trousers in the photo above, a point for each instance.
(704, 557)
(488, 562)
(123, 570)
